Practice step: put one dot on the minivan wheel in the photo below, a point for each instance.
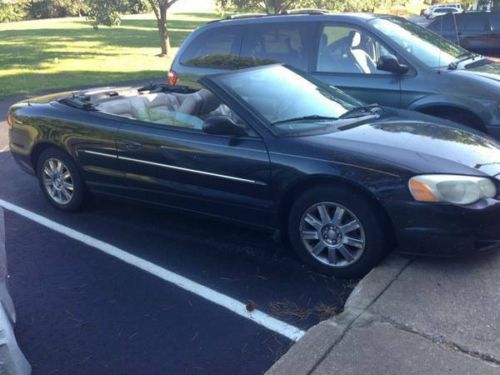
(60, 180)
(337, 231)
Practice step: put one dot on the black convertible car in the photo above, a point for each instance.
(275, 148)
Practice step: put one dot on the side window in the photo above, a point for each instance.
(475, 22)
(495, 21)
(343, 49)
(215, 48)
(276, 43)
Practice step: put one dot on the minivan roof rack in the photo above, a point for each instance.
(304, 11)
(245, 15)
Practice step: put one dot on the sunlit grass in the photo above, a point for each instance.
(57, 53)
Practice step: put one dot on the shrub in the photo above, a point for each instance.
(13, 11)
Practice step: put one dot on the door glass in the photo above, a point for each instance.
(278, 43)
(348, 50)
(215, 48)
(475, 22)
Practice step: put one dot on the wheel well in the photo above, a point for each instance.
(456, 114)
(313, 182)
(38, 149)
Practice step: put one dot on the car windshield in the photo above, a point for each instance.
(288, 100)
(431, 49)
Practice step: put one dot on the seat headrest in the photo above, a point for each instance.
(209, 102)
(355, 39)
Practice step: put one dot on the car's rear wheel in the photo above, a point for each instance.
(338, 231)
(60, 180)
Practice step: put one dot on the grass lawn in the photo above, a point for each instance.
(56, 53)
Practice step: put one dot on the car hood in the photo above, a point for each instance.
(420, 146)
(488, 71)
(489, 74)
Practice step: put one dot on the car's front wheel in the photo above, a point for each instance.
(60, 180)
(337, 231)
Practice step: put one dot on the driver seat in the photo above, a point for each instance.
(363, 59)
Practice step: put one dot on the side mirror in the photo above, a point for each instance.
(389, 63)
(223, 125)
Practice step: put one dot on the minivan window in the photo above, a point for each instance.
(347, 50)
(276, 43)
(431, 49)
(495, 21)
(214, 48)
(474, 22)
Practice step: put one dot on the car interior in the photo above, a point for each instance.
(188, 110)
(353, 53)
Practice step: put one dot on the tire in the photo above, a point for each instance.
(54, 187)
(337, 239)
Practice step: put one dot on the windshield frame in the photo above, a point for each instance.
(214, 79)
(410, 56)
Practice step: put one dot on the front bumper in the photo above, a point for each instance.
(445, 230)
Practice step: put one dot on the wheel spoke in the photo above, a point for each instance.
(47, 172)
(354, 242)
(66, 175)
(323, 214)
(68, 186)
(310, 235)
(312, 221)
(349, 227)
(332, 255)
(346, 253)
(66, 194)
(59, 166)
(318, 249)
(338, 216)
(52, 165)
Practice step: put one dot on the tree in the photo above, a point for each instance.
(160, 8)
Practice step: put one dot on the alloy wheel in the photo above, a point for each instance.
(332, 234)
(58, 181)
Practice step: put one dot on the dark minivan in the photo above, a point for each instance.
(477, 31)
(377, 59)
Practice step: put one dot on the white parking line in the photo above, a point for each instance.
(237, 307)
(4, 149)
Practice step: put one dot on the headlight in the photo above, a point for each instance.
(451, 188)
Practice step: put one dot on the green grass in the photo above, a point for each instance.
(50, 54)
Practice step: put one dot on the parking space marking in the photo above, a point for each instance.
(237, 307)
(4, 149)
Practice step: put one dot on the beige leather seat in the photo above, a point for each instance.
(183, 110)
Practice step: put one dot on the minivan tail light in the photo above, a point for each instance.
(172, 78)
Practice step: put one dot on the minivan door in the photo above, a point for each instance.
(347, 59)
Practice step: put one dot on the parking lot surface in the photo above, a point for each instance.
(83, 311)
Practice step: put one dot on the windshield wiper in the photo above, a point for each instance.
(461, 58)
(364, 110)
(304, 118)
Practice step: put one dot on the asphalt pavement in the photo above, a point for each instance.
(82, 311)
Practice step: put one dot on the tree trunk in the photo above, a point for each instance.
(163, 30)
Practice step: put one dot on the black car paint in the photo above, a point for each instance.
(268, 171)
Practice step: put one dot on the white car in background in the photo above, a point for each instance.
(429, 11)
(441, 11)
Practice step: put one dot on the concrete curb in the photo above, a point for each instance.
(319, 340)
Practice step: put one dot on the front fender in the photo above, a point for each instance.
(475, 107)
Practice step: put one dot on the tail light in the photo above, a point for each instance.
(10, 121)
(172, 78)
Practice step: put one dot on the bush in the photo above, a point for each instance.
(104, 12)
(13, 11)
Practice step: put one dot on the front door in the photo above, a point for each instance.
(193, 170)
(347, 59)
